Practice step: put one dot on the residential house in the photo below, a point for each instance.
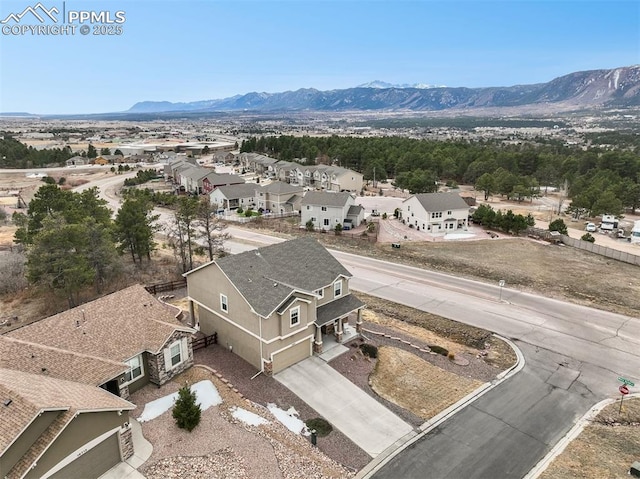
(435, 212)
(274, 306)
(77, 161)
(224, 157)
(232, 197)
(327, 209)
(64, 381)
(279, 197)
(53, 428)
(108, 159)
(326, 177)
(173, 168)
(285, 170)
(216, 180)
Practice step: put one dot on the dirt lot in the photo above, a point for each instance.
(606, 448)
(525, 264)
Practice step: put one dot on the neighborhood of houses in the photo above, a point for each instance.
(66, 380)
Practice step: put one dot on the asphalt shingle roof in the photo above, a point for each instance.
(322, 198)
(268, 275)
(243, 190)
(115, 327)
(31, 393)
(337, 309)
(281, 188)
(41, 359)
(441, 201)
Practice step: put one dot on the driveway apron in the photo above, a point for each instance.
(348, 408)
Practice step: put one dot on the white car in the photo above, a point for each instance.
(591, 227)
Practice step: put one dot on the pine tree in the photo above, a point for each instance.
(186, 411)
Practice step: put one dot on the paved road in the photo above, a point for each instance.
(574, 355)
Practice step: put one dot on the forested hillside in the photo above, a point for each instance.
(599, 180)
(14, 154)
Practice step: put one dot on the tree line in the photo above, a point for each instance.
(72, 242)
(598, 179)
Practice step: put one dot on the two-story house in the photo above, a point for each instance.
(272, 306)
(435, 212)
(327, 209)
(279, 197)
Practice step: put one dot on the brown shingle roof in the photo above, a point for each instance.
(40, 359)
(115, 327)
(31, 393)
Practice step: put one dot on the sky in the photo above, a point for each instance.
(182, 50)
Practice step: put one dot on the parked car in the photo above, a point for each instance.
(591, 227)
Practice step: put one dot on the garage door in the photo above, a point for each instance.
(95, 462)
(292, 355)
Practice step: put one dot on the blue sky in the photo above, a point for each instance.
(181, 50)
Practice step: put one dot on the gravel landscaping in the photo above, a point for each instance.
(222, 446)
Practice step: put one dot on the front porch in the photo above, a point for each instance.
(333, 328)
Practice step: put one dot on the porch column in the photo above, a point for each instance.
(339, 331)
(317, 344)
(359, 322)
(192, 314)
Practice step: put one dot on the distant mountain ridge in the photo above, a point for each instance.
(617, 87)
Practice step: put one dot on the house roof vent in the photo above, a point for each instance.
(6, 402)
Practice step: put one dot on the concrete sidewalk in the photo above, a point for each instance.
(347, 407)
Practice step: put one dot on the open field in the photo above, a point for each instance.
(606, 448)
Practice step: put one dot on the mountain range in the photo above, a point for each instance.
(618, 87)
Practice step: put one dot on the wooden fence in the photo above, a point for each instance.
(168, 286)
(602, 250)
(204, 342)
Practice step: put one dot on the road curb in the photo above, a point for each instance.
(385, 456)
(573, 433)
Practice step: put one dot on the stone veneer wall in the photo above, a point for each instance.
(158, 375)
(126, 442)
(124, 391)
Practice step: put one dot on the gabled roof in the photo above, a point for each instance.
(322, 198)
(354, 210)
(281, 188)
(242, 190)
(32, 393)
(53, 362)
(268, 276)
(115, 327)
(224, 179)
(197, 173)
(441, 201)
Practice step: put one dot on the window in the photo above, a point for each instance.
(326, 221)
(135, 369)
(308, 207)
(294, 316)
(224, 305)
(320, 293)
(337, 288)
(176, 354)
(449, 213)
(324, 208)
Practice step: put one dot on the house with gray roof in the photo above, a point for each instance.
(279, 197)
(232, 197)
(435, 212)
(326, 209)
(274, 306)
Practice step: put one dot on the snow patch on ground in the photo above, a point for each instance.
(450, 236)
(289, 419)
(247, 417)
(206, 395)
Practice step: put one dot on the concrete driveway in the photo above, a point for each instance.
(348, 408)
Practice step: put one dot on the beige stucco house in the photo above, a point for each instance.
(274, 305)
